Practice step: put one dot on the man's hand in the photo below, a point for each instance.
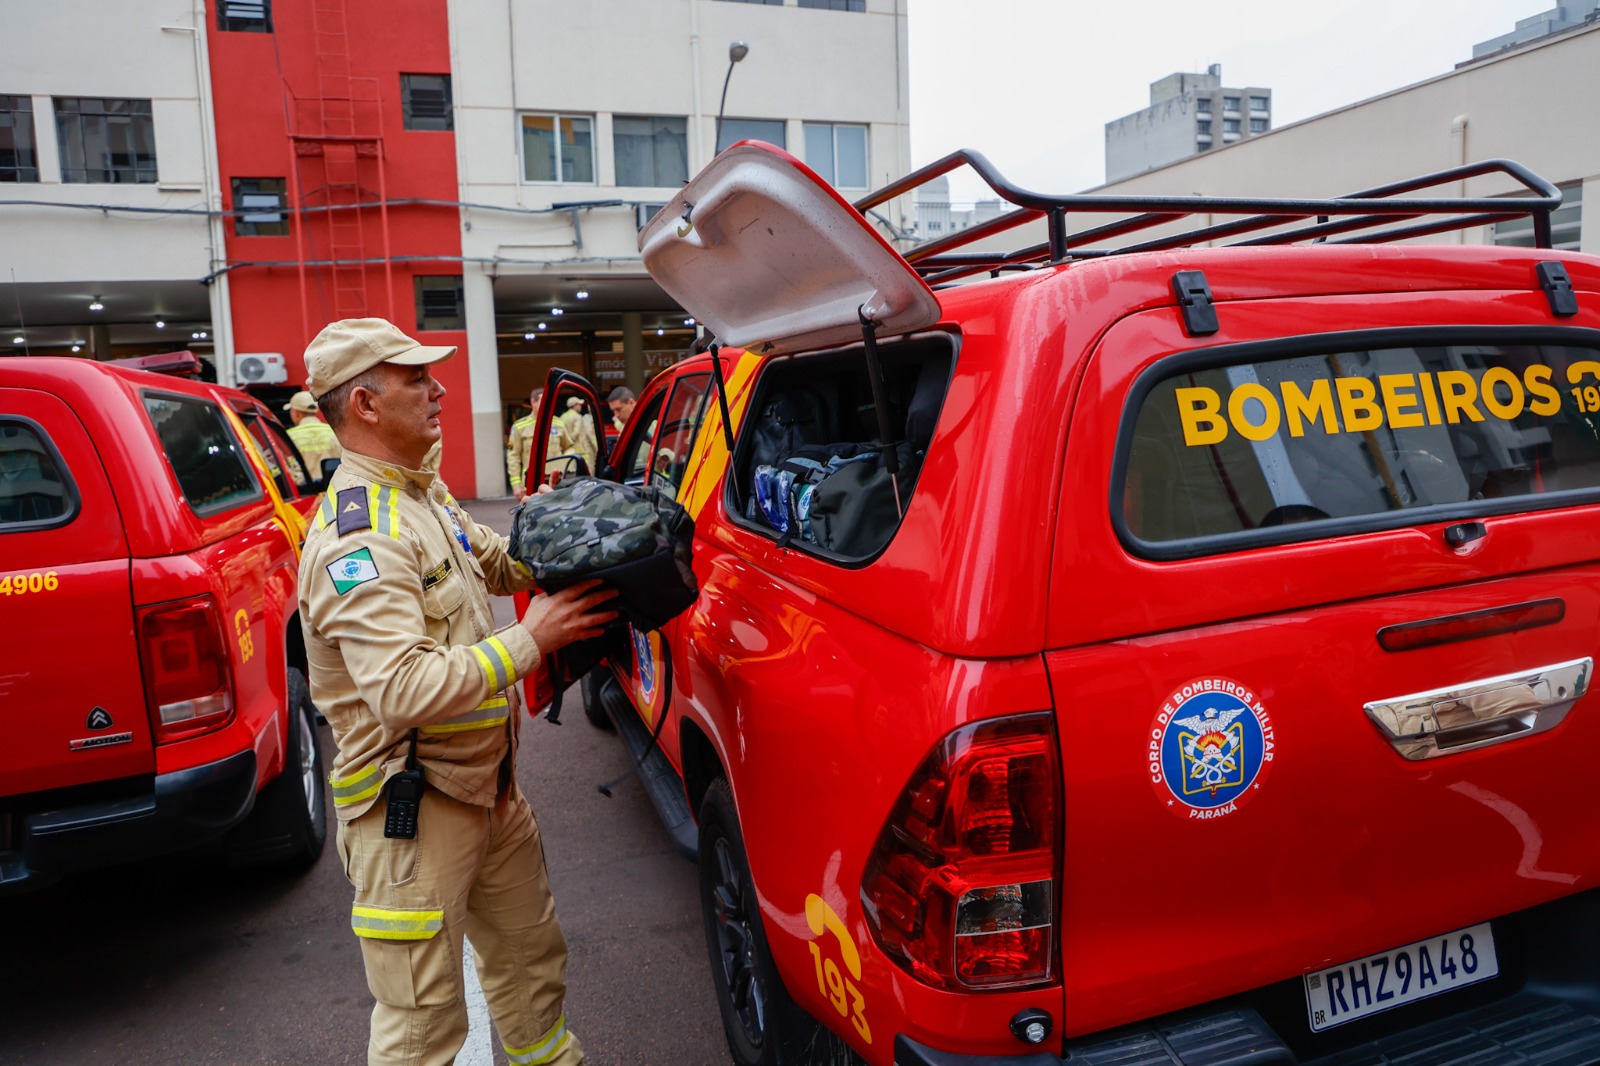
(561, 618)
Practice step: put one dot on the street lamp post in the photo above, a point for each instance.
(736, 51)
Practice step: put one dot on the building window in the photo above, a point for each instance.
(441, 302)
(838, 153)
(735, 130)
(19, 160)
(558, 148)
(1565, 223)
(1230, 125)
(1258, 125)
(1203, 105)
(425, 101)
(1258, 103)
(259, 207)
(774, 3)
(836, 5)
(1203, 127)
(106, 141)
(1230, 103)
(245, 16)
(650, 152)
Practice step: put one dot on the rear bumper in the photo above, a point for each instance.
(54, 835)
(1544, 1010)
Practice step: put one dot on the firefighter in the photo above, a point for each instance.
(311, 434)
(520, 444)
(420, 690)
(576, 434)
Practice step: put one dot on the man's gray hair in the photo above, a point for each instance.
(620, 394)
(333, 404)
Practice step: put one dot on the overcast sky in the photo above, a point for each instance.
(1032, 83)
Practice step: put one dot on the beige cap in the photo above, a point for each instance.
(352, 346)
(574, 402)
(301, 401)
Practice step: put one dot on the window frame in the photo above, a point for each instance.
(648, 412)
(722, 132)
(22, 105)
(1565, 233)
(250, 24)
(65, 131)
(694, 420)
(74, 498)
(1265, 103)
(410, 120)
(241, 219)
(852, 6)
(1258, 125)
(616, 156)
(559, 117)
(240, 453)
(833, 129)
(1249, 352)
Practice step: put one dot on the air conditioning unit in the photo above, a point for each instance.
(260, 368)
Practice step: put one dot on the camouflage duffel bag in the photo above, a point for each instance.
(635, 540)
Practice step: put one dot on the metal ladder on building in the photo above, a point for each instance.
(338, 147)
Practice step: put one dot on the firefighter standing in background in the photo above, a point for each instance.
(311, 434)
(420, 691)
(577, 434)
(520, 444)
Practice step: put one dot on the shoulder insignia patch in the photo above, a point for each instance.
(351, 570)
(354, 513)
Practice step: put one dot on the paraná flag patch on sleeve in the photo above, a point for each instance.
(351, 570)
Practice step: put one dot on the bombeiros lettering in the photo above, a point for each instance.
(1361, 404)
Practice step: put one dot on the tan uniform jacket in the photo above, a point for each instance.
(316, 442)
(519, 446)
(399, 635)
(575, 437)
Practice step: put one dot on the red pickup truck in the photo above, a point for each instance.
(152, 679)
(1146, 652)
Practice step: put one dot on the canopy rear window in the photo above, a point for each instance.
(1228, 448)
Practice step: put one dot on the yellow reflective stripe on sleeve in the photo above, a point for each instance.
(357, 787)
(325, 512)
(496, 663)
(381, 923)
(486, 715)
(544, 1050)
(384, 517)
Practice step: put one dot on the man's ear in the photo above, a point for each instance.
(361, 404)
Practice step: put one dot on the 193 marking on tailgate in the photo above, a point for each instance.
(1210, 748)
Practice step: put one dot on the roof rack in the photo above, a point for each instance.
(938, 260)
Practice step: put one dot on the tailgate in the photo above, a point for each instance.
(72, 701)
(1321, 669)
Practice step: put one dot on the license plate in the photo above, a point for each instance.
(1392, 979)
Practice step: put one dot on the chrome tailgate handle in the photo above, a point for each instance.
(1479, 713)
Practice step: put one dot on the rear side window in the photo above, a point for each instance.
(684, 412)
(1357, 436)
(35, 489)
(266, 434)
(208, 461)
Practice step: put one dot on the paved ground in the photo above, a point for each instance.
(174, 962)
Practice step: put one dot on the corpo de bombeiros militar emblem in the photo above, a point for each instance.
(1210, 748)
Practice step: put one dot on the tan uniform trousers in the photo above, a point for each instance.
(475, 872)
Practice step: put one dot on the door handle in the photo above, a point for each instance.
(1493, 710)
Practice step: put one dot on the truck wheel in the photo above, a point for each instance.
(763, 1025)
(289, 825)
(593, 709)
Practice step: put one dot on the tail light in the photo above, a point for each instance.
(960, 890)
(188, 684)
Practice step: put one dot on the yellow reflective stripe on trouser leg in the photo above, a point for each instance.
(356, 787)
(382, 923)
(544, 1050)
(496, 662)
(384, 518)
(486, 715)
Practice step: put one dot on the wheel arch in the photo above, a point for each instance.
(701, 764)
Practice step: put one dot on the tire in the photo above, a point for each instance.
(593, 709)
(289, 825)
(764, 1026)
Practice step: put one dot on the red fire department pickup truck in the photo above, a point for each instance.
(152, 681)
(1172, 648)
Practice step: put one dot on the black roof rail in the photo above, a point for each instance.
(1353, 218)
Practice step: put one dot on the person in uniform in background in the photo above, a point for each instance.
(311, 435)
(420, 691)
(622, 402)
(577, 434)
(519, 446)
